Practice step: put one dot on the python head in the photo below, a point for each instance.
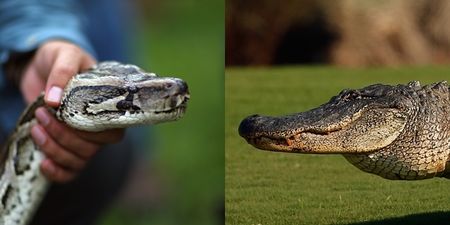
(123, 95)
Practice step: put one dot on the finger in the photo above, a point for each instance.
(64, 135)
(70, 61)
(54, 151)
(65, 66)
(56, 173)
(104, 137)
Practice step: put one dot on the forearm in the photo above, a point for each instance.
(25, 25)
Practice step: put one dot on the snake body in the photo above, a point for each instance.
(110, 95)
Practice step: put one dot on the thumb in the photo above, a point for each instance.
(31, 84)
(66, 65)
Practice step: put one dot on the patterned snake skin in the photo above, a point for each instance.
(110, 95)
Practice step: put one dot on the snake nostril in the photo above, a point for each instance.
(169, 85)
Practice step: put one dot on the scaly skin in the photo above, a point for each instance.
(396, 132)
(110, 95)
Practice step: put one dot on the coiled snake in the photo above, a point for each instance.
(110, 95)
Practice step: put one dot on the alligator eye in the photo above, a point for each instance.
(351, 95)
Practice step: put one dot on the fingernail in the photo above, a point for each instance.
(42, 116)
(48, 166)
(38, 136)
(54, 94)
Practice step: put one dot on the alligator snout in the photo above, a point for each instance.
(251, 125)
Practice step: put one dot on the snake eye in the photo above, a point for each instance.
(132, 89)
(124, 105)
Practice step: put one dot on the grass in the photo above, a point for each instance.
(274, 188)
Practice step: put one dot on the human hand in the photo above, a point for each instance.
(67, 150)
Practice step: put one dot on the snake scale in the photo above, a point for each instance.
(110, 95)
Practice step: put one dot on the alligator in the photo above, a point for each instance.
(399, 132)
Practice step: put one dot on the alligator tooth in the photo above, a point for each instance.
(127, 113)
(288, 141)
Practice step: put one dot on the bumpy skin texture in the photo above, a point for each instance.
(114, 95)
(111, 95)
(396, 132)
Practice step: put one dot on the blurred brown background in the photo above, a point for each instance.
(347, 32)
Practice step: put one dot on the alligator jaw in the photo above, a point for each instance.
(292, 143)
(315, 132)
(285, 140)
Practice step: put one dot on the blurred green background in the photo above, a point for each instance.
(184, 39)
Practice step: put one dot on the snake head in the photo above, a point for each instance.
(114, 95)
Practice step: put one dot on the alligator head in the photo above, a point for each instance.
(397, 132)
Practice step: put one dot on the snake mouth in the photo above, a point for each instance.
(179, 108)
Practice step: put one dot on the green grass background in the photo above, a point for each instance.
(274, 188)
(185, 39)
